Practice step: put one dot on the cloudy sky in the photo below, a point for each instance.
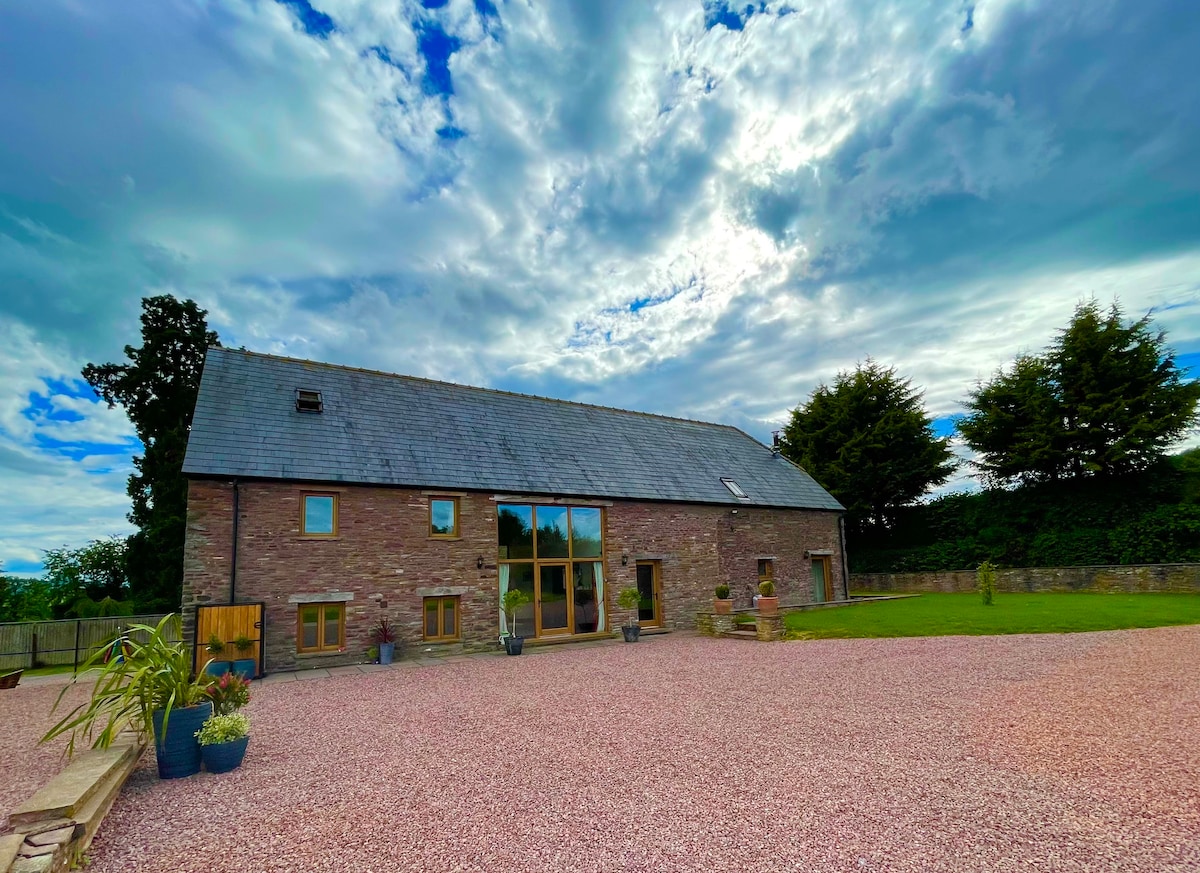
(693, 208)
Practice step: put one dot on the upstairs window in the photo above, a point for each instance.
(735, 489)
(308, 401)
(443, 517)
(318, 515)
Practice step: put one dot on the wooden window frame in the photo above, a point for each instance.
(304, 495)
(768, 576)
(322, 645)
(441, 602)
(454, 534)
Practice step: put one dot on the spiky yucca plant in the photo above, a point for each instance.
(153, 672)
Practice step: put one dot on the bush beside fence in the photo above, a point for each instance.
(65, 643)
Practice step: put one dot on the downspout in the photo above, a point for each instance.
(233, 561)
(845, 562)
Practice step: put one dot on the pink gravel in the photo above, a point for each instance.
(24, 718)
(1052, 752)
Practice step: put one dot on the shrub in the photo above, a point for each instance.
(986, 577)
(384, 632)
(215, 646)
(722, 592)
(223, 729)
(766, 588)
(243, 644)
(229, 694)
(629, 599)
(514, 599)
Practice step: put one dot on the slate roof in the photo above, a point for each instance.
(378, 428)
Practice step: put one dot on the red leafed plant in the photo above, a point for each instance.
(229, 694)
(384, 632)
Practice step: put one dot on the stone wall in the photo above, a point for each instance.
(383, 557)
(1116, 578)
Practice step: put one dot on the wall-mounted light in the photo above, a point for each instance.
(807, 553)
(624, 560)
(479, 562)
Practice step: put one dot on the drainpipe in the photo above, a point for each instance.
(845, 563)
(233, 561)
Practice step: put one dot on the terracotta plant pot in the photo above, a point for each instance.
(768, 606)
(722, 607)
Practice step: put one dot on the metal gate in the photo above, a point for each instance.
(229, 622)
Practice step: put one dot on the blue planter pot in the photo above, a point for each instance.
(178, 752)
(217, 668)
(387, 651)
(245, 667)
(223, 757)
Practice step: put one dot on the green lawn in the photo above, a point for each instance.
(934, 615)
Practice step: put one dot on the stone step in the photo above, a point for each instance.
(68, 792)
(92, 813)
(9, 846)
(741, 634)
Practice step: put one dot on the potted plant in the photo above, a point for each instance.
(215, 648)
(150, 689)
(514, 599)
(229, 694)
(768, 603)
(244, 666)
(629, 599)
(722, 602)
(385, 637)
(223, 740)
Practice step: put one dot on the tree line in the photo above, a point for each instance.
(1070, 447)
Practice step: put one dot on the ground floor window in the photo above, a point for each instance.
(441, 619)
(321, 627)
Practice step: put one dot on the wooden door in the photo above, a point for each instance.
(229, 623)
(822, 574)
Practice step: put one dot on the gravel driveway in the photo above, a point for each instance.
(1074, 752)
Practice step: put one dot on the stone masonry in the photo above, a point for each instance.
(384, 557)
(1184, 578)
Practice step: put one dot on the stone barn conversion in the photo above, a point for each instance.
(336, 497)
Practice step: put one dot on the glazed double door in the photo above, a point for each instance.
(554, 607)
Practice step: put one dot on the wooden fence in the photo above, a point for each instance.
(28, 644)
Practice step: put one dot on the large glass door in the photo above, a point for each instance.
(553, 600)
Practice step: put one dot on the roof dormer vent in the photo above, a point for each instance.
(308, 401)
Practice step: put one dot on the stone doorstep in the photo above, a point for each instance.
(75, 784)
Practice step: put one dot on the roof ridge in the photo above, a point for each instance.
(371, 372)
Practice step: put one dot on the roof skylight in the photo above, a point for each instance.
(735, 489)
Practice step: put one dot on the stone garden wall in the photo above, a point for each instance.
(1182, 578)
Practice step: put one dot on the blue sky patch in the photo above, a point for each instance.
(436, 46)
(315, 22)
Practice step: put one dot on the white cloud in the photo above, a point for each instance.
(639, 212)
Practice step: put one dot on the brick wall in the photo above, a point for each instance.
(1129, 578)
(383, 554)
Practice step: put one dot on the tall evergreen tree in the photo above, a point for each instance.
(158, 390)
(868, 440)
(1017, 426)
(1105, 399)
